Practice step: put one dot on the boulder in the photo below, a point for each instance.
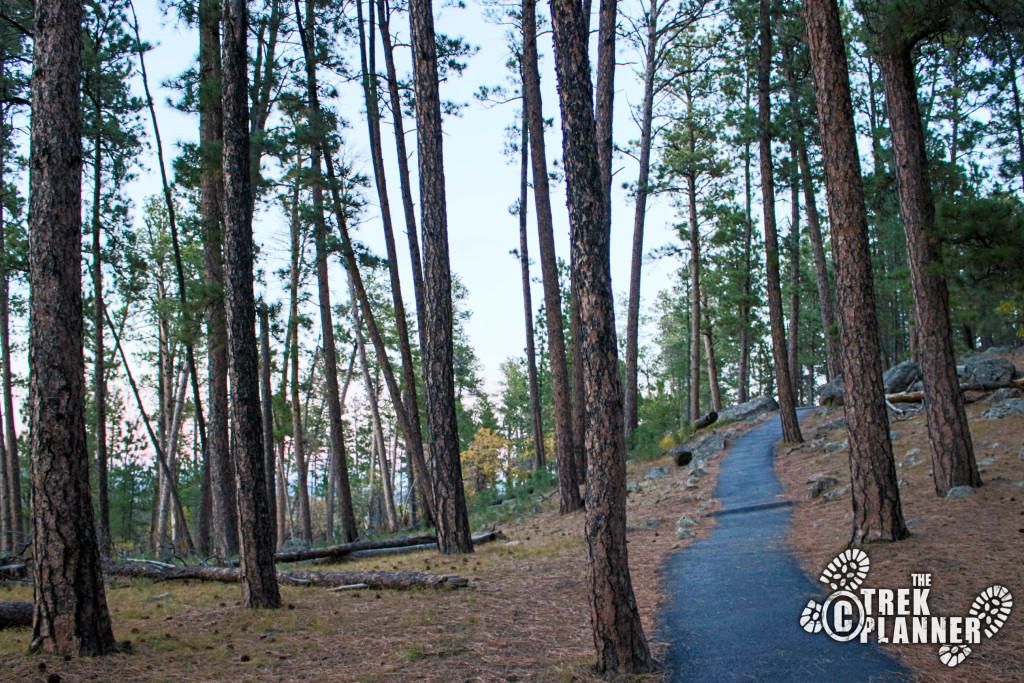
(707, 446)
(751, 409)
(988, 370)
(831, 394)
(1005, 408)
(655, 473)
(900, 378)
(836, 447)
(1002, 394)
(684, 527)
(821, 485)
(681, 455)
(837, 492)
(960, 492)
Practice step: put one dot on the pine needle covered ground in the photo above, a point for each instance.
(524, 617)
(966, 544)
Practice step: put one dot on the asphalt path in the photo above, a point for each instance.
(736, 596)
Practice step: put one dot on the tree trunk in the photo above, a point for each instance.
(259, 582)
(618, 634)
(1018, 118)
(828, 313)
(787, 402)
(450, 512)
(709, 351)
(378, 433)
(70, 608)
(6, 490)
(877, 513)
(952, 449)
(561, 397)
(793, 350)
(99, 375)
(352, 266)
(373, 580)
(298, 438)
(211, 208)
(12, 492)
(267, 404)
(380, 178)
(383, 13)
(631, 398)
(338, 457)
(745, 315)
(524, 265)
(691, 193)
(167, 507)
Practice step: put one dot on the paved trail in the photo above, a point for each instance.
(737, 595)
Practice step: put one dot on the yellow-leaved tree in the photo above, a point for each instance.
(484, 459)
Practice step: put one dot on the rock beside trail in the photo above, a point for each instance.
(821, 485)
(1002, 394)
(707, 446)
(988, 370)
(685, 526)
(1005, 408)
(831, 394)
(901, 377)
(655, 473)
(960, 492)
(754, 408)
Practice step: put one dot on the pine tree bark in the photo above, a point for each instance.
(561, 396)
(338, 457)
(70, 614)
(259, 580)
(709, 352)
(298, 437)
(524, 266)
(12, 491)
(408, 207)
(787, 401)
(743, 393)
(877, 512)
(953, 461)
(369, 70)
(828, 311)
(449, 497)
(631, 397)
(375, 421)
(425, 481)
(618, 634)
(267, 404)
(211, 208)
(99, 375)
(694, 235)
(793, 350)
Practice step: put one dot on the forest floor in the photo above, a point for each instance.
(525, 615)
(966, 544)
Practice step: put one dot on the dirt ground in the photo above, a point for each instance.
(525, 615)
(966, 545)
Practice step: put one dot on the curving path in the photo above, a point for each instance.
(736, 596)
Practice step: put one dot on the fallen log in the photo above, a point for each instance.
(15, 614)
(338, 551)
(917, 396)
(13, 572)
(394, 580)
(705, 420)
(478, 539)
